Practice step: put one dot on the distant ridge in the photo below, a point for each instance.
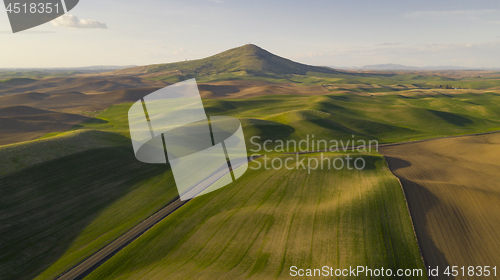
(21, 111)
(392, 66)
(389, 66)
(248, 58)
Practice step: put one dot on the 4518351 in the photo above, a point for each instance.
(485, 271)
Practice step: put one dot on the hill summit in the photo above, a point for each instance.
(248, 58)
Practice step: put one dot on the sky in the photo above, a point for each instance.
(331, 33)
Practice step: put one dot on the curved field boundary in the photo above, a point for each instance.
(451, 186)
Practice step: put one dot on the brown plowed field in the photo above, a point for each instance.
(452, 186)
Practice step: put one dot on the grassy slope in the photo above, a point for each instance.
(56, 213)
(361, 82)
(270, 220)
(14, 77)
(14, 81)
(24, 154)
(389, 118)
(76, 191)
(92, 191)
(95, 208)
(386, 118)
(248, 59)
(250, 62)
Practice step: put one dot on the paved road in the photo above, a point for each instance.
(87, 266)
(219, 173)
(93, 262)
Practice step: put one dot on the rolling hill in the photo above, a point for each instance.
(248, 58)
(250, 62)
(21, 123)
(387, 118)
(67, 195)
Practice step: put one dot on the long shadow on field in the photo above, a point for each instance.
(335, 126)
(371, 162)
(451, 118)
(45, 207)
(396, 163)
(420, 202)
(219, 90)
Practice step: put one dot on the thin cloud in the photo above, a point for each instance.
(474, 55)
(452, 14)
(72, 21)
(388, 44)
